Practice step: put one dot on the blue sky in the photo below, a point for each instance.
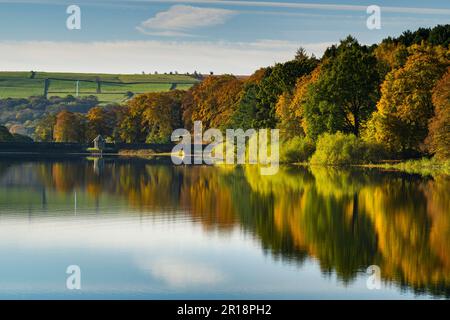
(206, 35)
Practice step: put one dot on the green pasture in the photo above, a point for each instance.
(114, 87)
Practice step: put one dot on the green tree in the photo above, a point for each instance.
(44, 128)
(290, 108)
(277, 80)
(244, 116)
(439, 35)
(345, 94)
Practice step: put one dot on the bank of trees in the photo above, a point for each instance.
(22, 115)
(406, 106)
(149, 117)
(394, 95)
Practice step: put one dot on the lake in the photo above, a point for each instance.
(145, 229)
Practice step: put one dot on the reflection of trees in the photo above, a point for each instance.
(147, 187)
(259, 212)
(205, 196)
(438, 208)
(412, 228)
(337, 233)
(345, 219)
(350, 219)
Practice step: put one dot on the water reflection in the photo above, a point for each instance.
(345, 220)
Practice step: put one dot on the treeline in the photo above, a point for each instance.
(357, 103)
(437, 36)
(22, 115)
(149, 117)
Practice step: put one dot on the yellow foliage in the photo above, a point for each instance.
(405, 107)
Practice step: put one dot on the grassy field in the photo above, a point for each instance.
(113, 86)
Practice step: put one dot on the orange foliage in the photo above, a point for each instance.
(214, 100)
(438, 140)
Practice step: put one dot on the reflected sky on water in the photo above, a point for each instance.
(150, 230)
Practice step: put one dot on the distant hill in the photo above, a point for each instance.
(106, 87)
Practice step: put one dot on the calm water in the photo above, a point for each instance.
(146, 230)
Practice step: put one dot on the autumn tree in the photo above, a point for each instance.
(345, 94)
(130, 127)
(187, 107)
(215, 99)
(151, 117)
(70, 127)
(44, 128)
(279, 79)
(162, 115)
(287, 123)
(390, 55)
(101, 121)
(290, 108)
(438, 140)
(405, 107)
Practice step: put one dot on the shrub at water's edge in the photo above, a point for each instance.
(297, 150)
(345, 149)
(341, 149)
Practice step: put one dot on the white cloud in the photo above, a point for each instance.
(179, 18)
(137, 56)
(181, 273)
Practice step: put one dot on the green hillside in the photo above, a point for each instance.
(113, 87)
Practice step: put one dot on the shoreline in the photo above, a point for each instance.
(424, 166)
